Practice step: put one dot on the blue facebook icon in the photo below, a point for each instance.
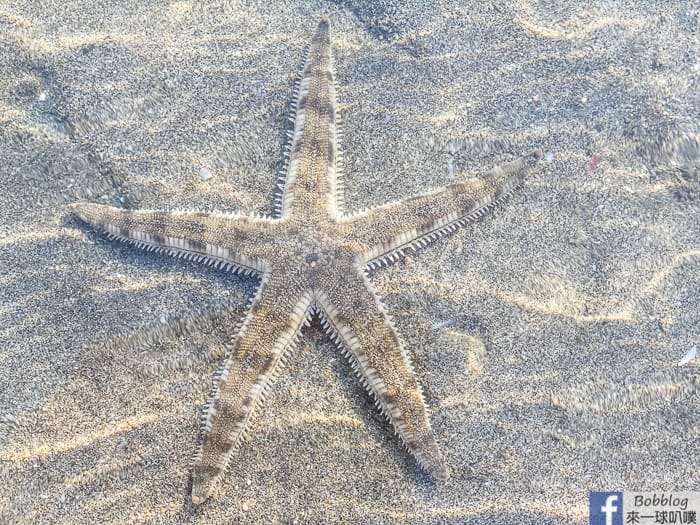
(605, 508)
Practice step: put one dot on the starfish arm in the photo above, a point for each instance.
(234, 241)
(359, 324)
(263, 344)
(418, 220)
(310, 181)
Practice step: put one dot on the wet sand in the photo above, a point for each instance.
(547, 335)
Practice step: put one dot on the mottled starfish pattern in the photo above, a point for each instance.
(311, 259)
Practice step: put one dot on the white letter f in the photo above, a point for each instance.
(609, 509)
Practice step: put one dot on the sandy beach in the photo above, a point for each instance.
(547, 335)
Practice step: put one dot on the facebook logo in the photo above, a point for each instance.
(605, 508)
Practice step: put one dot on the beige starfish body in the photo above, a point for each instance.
(312, 261)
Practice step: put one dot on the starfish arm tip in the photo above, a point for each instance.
(535, 156)
(440, 473)
(80, 209)
(201, 492)
(75, 207)
(434, 465)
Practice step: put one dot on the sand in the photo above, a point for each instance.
(547, 335)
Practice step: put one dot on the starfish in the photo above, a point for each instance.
(312, 260)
